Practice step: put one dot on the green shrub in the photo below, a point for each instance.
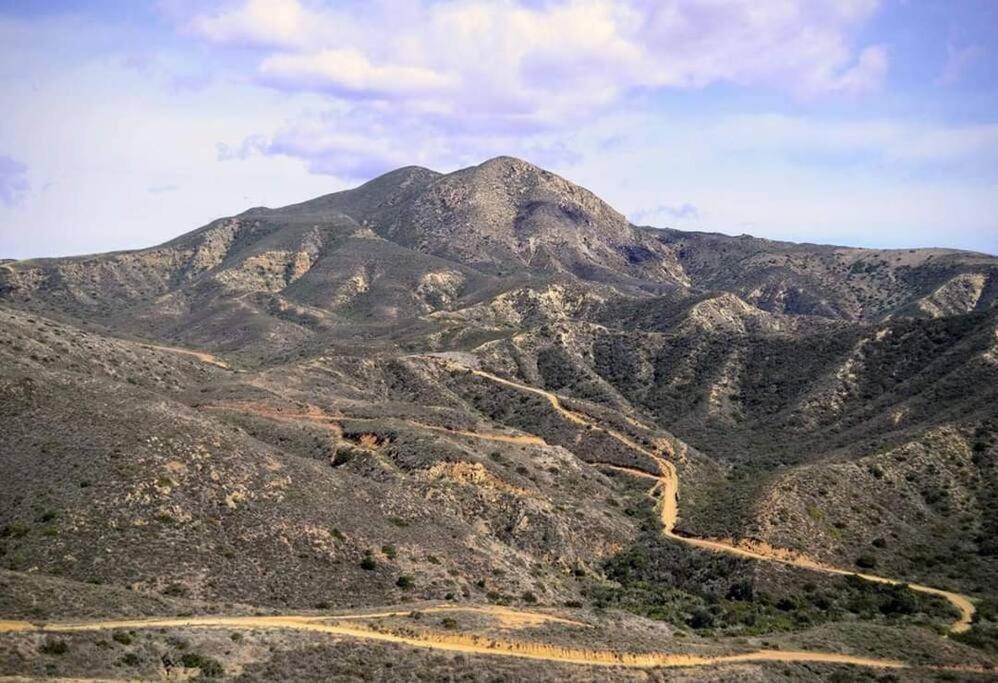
(741, 591)
(900, 600)
(368, 563)
(121, 637)
(700, 618)
(866, 562)
(496, 596)
(130, 659)
(210, 667)
(53, 646)
(405, 582)
(14, 530)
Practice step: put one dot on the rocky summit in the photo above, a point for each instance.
(479, 426)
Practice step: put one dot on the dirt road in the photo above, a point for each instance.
(349, 625)
(669, 513)
(667, 478)
(359, 625)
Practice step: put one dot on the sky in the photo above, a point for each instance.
(861, 122)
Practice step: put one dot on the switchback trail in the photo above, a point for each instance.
(669, 513)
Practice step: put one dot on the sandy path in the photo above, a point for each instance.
(506, 616)
(471, 644)
(634, 471)
(453, 642)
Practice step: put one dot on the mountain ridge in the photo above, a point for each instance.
(507, 217)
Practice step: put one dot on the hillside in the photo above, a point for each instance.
(488, 391)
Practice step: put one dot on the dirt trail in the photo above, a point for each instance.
(668, 481)
(200, 355)
(311, 414)
(523, 439)
(349, 625)
(470, 644)
(630, 470)
(669, 513)
(506, 616)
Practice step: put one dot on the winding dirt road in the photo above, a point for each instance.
(359, 625)
(349, 625)
(669, 513)
(667, 478)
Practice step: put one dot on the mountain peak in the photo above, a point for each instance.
(508, 213)
(508, 163)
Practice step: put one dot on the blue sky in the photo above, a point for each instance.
(862, 122)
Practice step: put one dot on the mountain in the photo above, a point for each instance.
(477, 394)
(838, 282)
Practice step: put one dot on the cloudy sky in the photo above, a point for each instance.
(866, 122)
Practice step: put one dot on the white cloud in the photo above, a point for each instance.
(563, 83)
(476, 75)
(348, 72)
(548, 62)
(257, 22)
(359, 142)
